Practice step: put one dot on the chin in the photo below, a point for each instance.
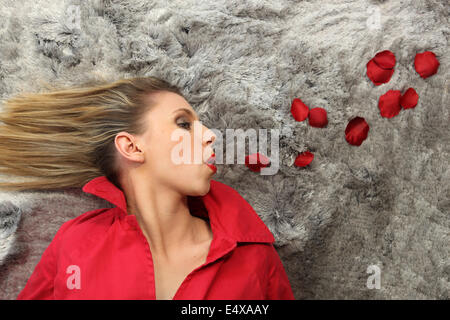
(201, 188)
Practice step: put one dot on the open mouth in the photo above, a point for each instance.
(211, 159)
(210, 162)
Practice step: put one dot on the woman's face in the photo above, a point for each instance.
(167, 151)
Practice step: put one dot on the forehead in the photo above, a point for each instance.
(166, 103)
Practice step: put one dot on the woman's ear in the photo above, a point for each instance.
(128, 146)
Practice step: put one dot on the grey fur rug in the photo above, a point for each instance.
(241, 63)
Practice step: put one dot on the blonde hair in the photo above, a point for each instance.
(65, 137)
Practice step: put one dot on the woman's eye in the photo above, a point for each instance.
(185, 125)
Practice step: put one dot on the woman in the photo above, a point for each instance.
(174, 233)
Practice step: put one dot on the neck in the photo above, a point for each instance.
(164, 217)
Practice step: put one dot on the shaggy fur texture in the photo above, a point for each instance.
(241, 63)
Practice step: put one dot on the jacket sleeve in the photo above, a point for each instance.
(40, 284)
(278, 287)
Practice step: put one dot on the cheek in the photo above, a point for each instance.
(183, 150)
(159, 149)
(175, 156)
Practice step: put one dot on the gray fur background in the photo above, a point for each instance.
(240, 64)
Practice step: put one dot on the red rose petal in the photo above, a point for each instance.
(409, 99)
(299, 110)
(256, 161)
(426, 64)
(385, 59)
(303, 159)
(356, 131)
(318, 117)
(389, 103)
(377, 74)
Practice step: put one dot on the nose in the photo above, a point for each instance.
(209, 136)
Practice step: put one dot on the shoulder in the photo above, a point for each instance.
(86, 224)
(270, 271)
(263, 254)
(89, 218)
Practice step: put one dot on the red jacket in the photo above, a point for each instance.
(103, 254)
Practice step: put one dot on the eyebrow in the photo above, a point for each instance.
(187, 111)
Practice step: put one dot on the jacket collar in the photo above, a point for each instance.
(229, 213)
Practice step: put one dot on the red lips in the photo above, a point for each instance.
(210, 162)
